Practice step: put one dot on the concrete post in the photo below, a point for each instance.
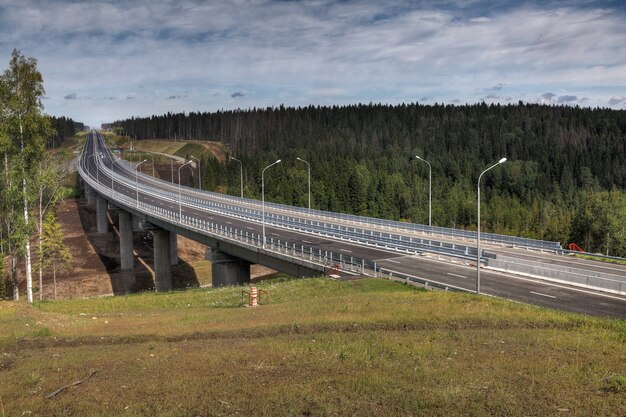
(173, 248)
(162, 262)
(126, 239)
(101, 214)
(227, 270)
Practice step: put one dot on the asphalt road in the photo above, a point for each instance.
(521, 289)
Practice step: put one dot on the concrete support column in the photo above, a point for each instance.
(173, 248)
(136, 221)
(90, 194)
(101, 214)
(227, 270)
(162, 262)
(126, 239)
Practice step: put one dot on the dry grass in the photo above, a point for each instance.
(315, 347)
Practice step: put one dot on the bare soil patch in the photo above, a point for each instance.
(96, 259)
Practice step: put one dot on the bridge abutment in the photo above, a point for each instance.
(101, 215)
(227, 270)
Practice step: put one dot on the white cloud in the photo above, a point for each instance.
(615, 100)
(309, 52)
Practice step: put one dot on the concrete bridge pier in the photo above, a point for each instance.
(162, 256)
(136, 221)
(227, 270)
(173, 248)
(101, 215)
(90, 194)
(126, 239)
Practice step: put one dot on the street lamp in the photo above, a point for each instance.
(180, 203)
(136, 180)
(430, 192)
(199, 172)
(152, 156)
(501, 161)
(309, 167)
(240, 172)
(263, 195)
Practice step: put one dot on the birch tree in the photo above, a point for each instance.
(21, 89)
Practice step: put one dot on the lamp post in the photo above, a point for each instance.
(501, 161)
(136, 180)
(180, 203)
(430, 191)
(240, 172)
(199, 172)
(152, 156)
(263, 195)
(309, 168)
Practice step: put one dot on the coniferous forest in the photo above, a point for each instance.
(564, 180)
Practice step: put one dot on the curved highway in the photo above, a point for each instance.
(396, 252)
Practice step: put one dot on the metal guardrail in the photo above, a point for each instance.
(325, 260)
(382, 240)
(388, 224)
(559, 273)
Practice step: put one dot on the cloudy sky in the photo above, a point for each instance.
(108, 60)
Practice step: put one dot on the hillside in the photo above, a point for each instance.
(314, 347)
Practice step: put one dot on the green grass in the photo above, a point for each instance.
(597, 258)
(314, 347)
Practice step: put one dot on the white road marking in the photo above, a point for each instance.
(345, 250)
(249, 228)
(395, 262)
(543, 295)
(229, 223)
(456, 275)
(274, 234)
(306, 241)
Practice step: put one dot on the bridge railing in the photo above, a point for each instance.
(381, 223)
(391, 241)
(326, 261)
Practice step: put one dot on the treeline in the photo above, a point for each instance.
(62, 127)
(564, 181)
(30, 180)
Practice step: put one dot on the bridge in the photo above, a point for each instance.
(304, 243)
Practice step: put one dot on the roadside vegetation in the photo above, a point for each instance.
(314, 347)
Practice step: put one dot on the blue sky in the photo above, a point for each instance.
(108, 60)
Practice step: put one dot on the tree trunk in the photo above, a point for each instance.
(29, 266)
(16, 289)
(54, 279)
(40, 230)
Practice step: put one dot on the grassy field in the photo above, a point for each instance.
(600, 259)
(199, 149)
(313, 348)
